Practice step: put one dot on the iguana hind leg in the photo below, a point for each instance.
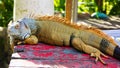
(78, 44)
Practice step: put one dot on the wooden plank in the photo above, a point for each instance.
(43, 55)
(22, 63)
(74, 11)
(68, 9)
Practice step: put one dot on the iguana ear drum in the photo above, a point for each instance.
(117, 52)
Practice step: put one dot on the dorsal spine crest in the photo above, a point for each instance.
(74, 25)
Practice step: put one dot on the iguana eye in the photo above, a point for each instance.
(17, 26)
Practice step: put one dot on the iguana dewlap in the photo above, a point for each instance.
(58, 31)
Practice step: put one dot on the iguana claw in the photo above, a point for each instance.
(98, 55)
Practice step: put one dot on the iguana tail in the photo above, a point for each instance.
(94, 45)
(117, 52)
(107, 45)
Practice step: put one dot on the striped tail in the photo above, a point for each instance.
(110, 48)
(117, 53)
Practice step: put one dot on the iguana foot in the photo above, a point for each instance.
(97, 54)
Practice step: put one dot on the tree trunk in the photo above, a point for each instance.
(99, 4)
(5, 48)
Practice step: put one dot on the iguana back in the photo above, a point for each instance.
(61, 25)
(54, 33)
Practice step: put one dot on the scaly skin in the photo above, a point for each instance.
(58, 31)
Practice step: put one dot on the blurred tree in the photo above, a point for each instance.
(116, 8)
(99, 4)
(87, 6)
(6, 11)
(59, 5)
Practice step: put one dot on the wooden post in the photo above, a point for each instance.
(68, 9)
(71, 10)
(74, 11)
(24, 8)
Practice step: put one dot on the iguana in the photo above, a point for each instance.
(59, 31)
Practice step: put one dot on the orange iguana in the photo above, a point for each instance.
(59, 31)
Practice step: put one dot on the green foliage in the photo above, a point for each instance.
(115, 8)
(6, 11)
(110, 7)
(86, 6)
(59, 5)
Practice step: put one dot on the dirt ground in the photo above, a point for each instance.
(112, 23)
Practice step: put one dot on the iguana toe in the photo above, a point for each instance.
(97, 55)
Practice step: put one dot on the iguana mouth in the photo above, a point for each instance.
(26, 35)
(14, 34)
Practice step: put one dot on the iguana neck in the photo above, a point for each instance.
(32, 25)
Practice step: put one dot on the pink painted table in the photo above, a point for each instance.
(43, 55)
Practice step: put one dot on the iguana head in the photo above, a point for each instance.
(19, 29)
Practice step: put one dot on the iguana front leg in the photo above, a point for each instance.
(31, 40)
(80, 45)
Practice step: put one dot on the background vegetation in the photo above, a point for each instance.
(109, 7)
(6, 11)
